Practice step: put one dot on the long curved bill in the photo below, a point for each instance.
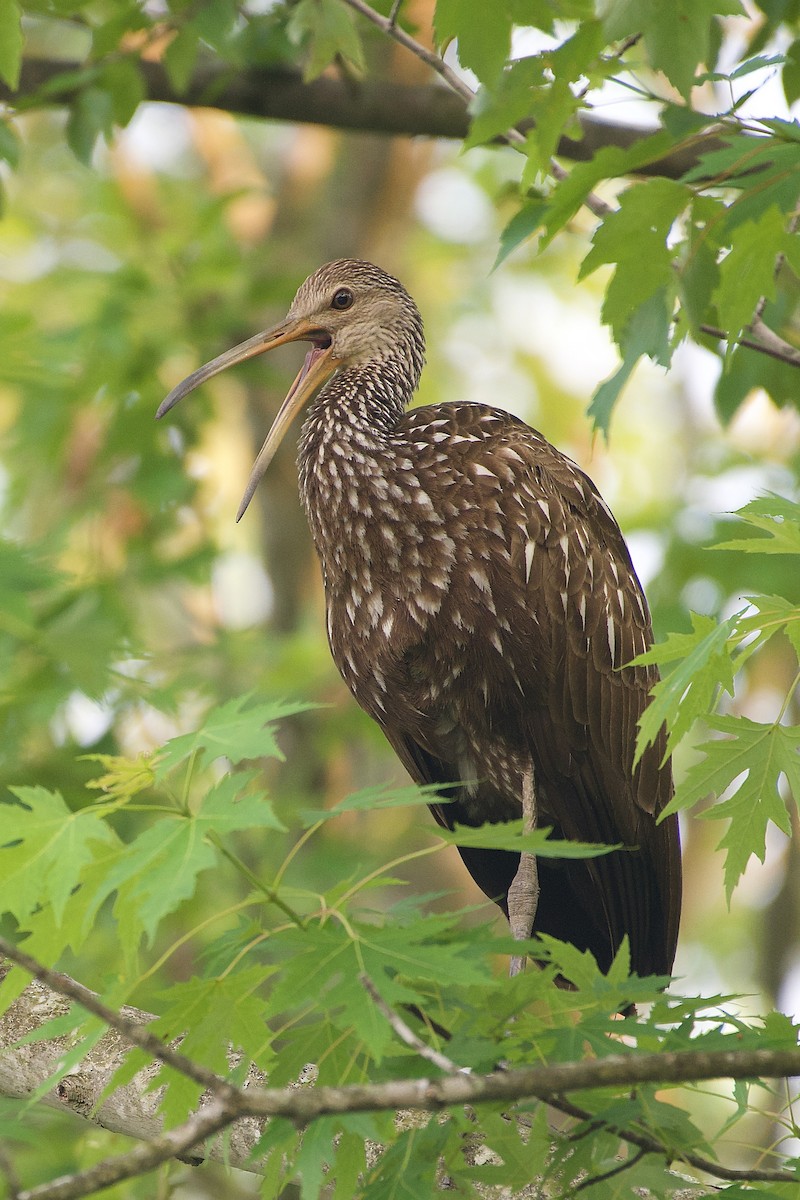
(319, 365)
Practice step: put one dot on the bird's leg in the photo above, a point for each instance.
(523, 895)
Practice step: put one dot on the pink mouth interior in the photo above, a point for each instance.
(314, 353)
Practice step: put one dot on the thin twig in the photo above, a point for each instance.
(766, 342)
(132, 1031)
(651, 1145)
(425, 55)
(407, 1035)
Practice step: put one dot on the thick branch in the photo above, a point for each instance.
(368, 106)
(134, 1109)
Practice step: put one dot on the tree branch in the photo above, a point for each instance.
(134, 1109)
(406, 1033)
(366, 106)
(132, 1030)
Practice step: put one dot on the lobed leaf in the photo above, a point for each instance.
(508, 835)
(236, 730)
(688, 691)
(45, 849)
(774, 515)
(383, 796)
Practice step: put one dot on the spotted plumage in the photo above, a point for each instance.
(481, 607)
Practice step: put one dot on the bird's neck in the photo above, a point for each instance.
(349, 430)
(361, 406)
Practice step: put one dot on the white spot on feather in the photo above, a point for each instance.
(530, 548)
(612, 637)
(480, 579)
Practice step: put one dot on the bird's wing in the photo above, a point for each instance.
(586, 618)
(564, 612)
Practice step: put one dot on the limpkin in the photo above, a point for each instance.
(481, 607)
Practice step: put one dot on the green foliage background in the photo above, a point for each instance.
(197, 820)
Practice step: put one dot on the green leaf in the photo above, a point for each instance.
(608, 163)
(236, 730)
(322, 965)
(773, 614)
(408, 1170)
(646, 332)
(327, 29)
(10, 42)
(748, 272)
(698, 270)
(385, 796)
(91, 116)
(124, 777)
(46, 847)
(635, 239)
(180, 57)
(215, 21)
(156, 872)
(688, 691)
(508, 835)
(522, 225)
(506, 102)
(350, 1165)
(677, 36)
(483, 32)
(228, 807)
(774, 515)
(760, 754)
(9, 144)
(125, 86)
(212, 1017)
(791, 73)
(569, 68)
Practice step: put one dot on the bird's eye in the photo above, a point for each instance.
(342, 299)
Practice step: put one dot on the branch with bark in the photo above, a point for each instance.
(362, 106)
(382, 107)
(133, 1109)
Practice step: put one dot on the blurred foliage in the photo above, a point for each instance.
(157, 845)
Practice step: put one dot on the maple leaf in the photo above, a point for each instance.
(689, 690)
(750, 757)
(46, 847)
(236, 730)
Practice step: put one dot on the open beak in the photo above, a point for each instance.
(319, 365)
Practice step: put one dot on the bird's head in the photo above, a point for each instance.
(353, 314)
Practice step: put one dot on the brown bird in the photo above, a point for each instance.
(481, 607)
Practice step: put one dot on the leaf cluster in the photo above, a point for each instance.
(751, 767)
(702, 253)
(280, 983)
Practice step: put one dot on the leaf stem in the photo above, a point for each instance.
(395, 862)
(269, 893)
(301, 841)
(788, 699)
